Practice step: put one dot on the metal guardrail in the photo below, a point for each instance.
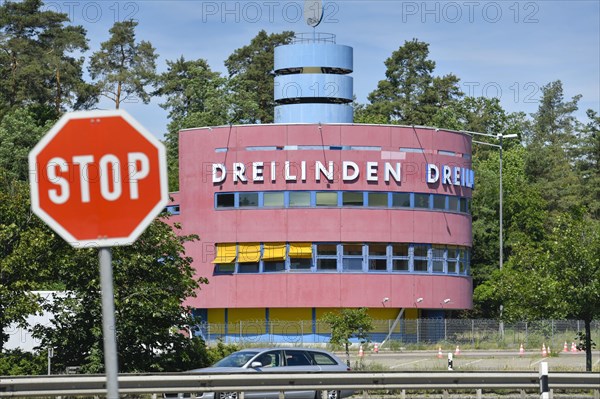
(80, 385)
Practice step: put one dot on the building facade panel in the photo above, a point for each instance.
(400, 223)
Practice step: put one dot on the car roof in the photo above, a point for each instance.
(288, 348)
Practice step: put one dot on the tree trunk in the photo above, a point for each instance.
(588, 345)
(347, 355)
(118, 97)
(57, 100)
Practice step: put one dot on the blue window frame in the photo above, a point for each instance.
(363, 257)
(333, 199)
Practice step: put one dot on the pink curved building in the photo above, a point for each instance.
(315, 213)
(298, 219)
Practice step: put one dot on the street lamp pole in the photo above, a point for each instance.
(499, 136)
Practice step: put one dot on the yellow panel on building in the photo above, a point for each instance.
(293, 321)
(216, 316)
(248, 322)
(290, 314)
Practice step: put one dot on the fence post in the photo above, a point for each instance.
(544, 391)
(445, 329)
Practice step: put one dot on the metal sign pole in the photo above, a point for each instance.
(108, 324)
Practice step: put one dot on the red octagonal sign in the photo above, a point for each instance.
(98, 178)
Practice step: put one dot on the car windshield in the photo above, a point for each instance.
(237, 359)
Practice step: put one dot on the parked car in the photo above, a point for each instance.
(273, 360)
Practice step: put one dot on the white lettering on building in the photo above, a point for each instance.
(372, 171)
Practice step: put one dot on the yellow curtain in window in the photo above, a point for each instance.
(249, 252)
(225, 253)
(274, 251)
(301, 250)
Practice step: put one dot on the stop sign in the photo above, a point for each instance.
(98, 178)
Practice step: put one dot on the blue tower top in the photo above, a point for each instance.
(312, 82)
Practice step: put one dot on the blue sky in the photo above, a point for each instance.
(507, 49)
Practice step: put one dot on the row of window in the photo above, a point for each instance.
(371, 199)
(341, 257)
(344, 148)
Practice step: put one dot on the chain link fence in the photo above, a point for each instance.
(473, 333)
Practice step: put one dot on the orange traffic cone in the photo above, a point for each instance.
(565, 347)
(549, 352)
(457, 351)
(361, 353)
(375, 348)
(573, 347)
(521, 350)
(440, 355)
(544, 353)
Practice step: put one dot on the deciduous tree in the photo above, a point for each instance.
(348, 323)
(557, 278)
(152, 279)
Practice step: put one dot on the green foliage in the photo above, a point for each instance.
(28, 252)
(19, 133)
(16, 362)
(551, 139)
(37, 65)
(559, 277)
(195, 96)
(124, 67)
(251, 81)
(218, 352)
(587, 155)
(152, 278)
(410, 94)
(348, 323)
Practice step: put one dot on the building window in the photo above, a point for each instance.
(299, 198)
(452, 260)
(273, 266)
(326, 257)
(437, 258)
(401, 200)
(352, 257)
(400, 257)
(439, 202)
(248, 199)
(378, 257)
(275, 200)
(336, 199)
(421, 200)
(225, 200)
(448, 153)
(172, 209)
(300, 254)
(225, 268)
(299, 264)
(379, 200)
(273, 257)
(463, 206)
(327, 198)
(351, 198)
(453, 203)
(407, 149)
(248, 267)
(462, 261)
(420, 258)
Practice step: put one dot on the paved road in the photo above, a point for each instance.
(476, 361)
